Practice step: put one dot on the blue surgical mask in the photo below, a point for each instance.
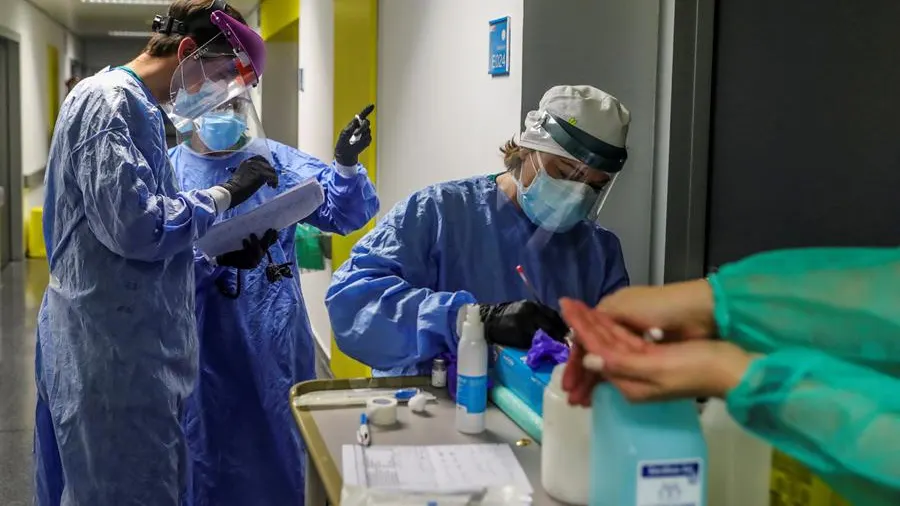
(220, 131)
(555, 205)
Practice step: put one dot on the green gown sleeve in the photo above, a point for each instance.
(843, 301)
(839, 419)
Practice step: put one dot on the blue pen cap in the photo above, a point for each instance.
(363, 419)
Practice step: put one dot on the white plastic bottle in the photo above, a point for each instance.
(565, 452)
(471, 369)
(740, 464)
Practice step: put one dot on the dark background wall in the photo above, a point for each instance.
(98, 52)
(805, 126)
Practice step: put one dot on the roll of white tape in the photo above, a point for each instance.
(382, 410)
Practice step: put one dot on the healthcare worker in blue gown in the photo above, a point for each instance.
(395, 304)
(255, 336)
(117, 349)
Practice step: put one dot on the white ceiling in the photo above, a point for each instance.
(93, 19)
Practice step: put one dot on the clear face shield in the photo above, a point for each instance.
(224, 68)
(571, 179)
(231, 127)
(561, 191)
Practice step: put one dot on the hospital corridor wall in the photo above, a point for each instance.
(100, 52)
(315, 134)
(46, 49)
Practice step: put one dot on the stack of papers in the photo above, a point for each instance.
(434, 469)
(282, 211)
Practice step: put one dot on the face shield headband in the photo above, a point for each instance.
(197, 25)
(588, 149)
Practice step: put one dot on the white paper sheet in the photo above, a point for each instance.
(282, 211)
(439, 469)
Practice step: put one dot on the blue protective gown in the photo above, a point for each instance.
(244, 444)
(117, 345)
(393, 304)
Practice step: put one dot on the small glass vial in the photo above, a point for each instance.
(439, 373)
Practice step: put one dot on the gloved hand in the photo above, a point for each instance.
(354, 138)
(249, 177)
(251, 254)
(514, 324)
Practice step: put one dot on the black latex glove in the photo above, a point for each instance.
(354, 138)
(251, 254)
(249, 177)
(513, 324)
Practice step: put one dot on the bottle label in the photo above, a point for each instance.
(670, 483)
(471, 393)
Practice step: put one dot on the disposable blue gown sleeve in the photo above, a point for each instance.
(205, 272)
(839, 419)
(123, 208)
(350, 202)
(381, 312)
(842, 301)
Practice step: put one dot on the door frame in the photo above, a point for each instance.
(689, 143)
(15, 191)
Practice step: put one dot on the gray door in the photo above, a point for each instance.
(5, 165)
(11, 248)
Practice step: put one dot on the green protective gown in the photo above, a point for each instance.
(827, 389)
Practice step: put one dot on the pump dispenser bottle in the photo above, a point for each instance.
(646, 454)
(471, 367)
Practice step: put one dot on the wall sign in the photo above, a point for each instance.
(499, 47)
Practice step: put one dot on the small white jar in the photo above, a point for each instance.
(565, 445)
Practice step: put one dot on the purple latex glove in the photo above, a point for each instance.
(546, 350)
(451, 375)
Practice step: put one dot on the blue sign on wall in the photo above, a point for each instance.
(499, 48)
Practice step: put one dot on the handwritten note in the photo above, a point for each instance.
(442, 469)
(282, 211)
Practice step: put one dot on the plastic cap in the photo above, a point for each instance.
(473, 314)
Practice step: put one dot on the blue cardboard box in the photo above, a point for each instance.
(510, 370)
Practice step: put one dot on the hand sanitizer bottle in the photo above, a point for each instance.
(471, 368)
(646, 454)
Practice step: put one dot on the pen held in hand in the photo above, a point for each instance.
(524, 278)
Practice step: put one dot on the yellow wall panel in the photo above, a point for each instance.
(34, 234)
(355, 86)
(275, 16)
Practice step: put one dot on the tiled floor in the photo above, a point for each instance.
(21, 288)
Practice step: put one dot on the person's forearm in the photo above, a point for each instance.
(384, 322)
(837, 418)
(156, 229)
(350, 200)
(840, 300)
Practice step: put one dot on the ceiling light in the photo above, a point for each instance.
(128, 2)
(124, 33)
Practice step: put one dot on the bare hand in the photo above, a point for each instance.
(689, 369)
(645, 371)
(684, 311)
